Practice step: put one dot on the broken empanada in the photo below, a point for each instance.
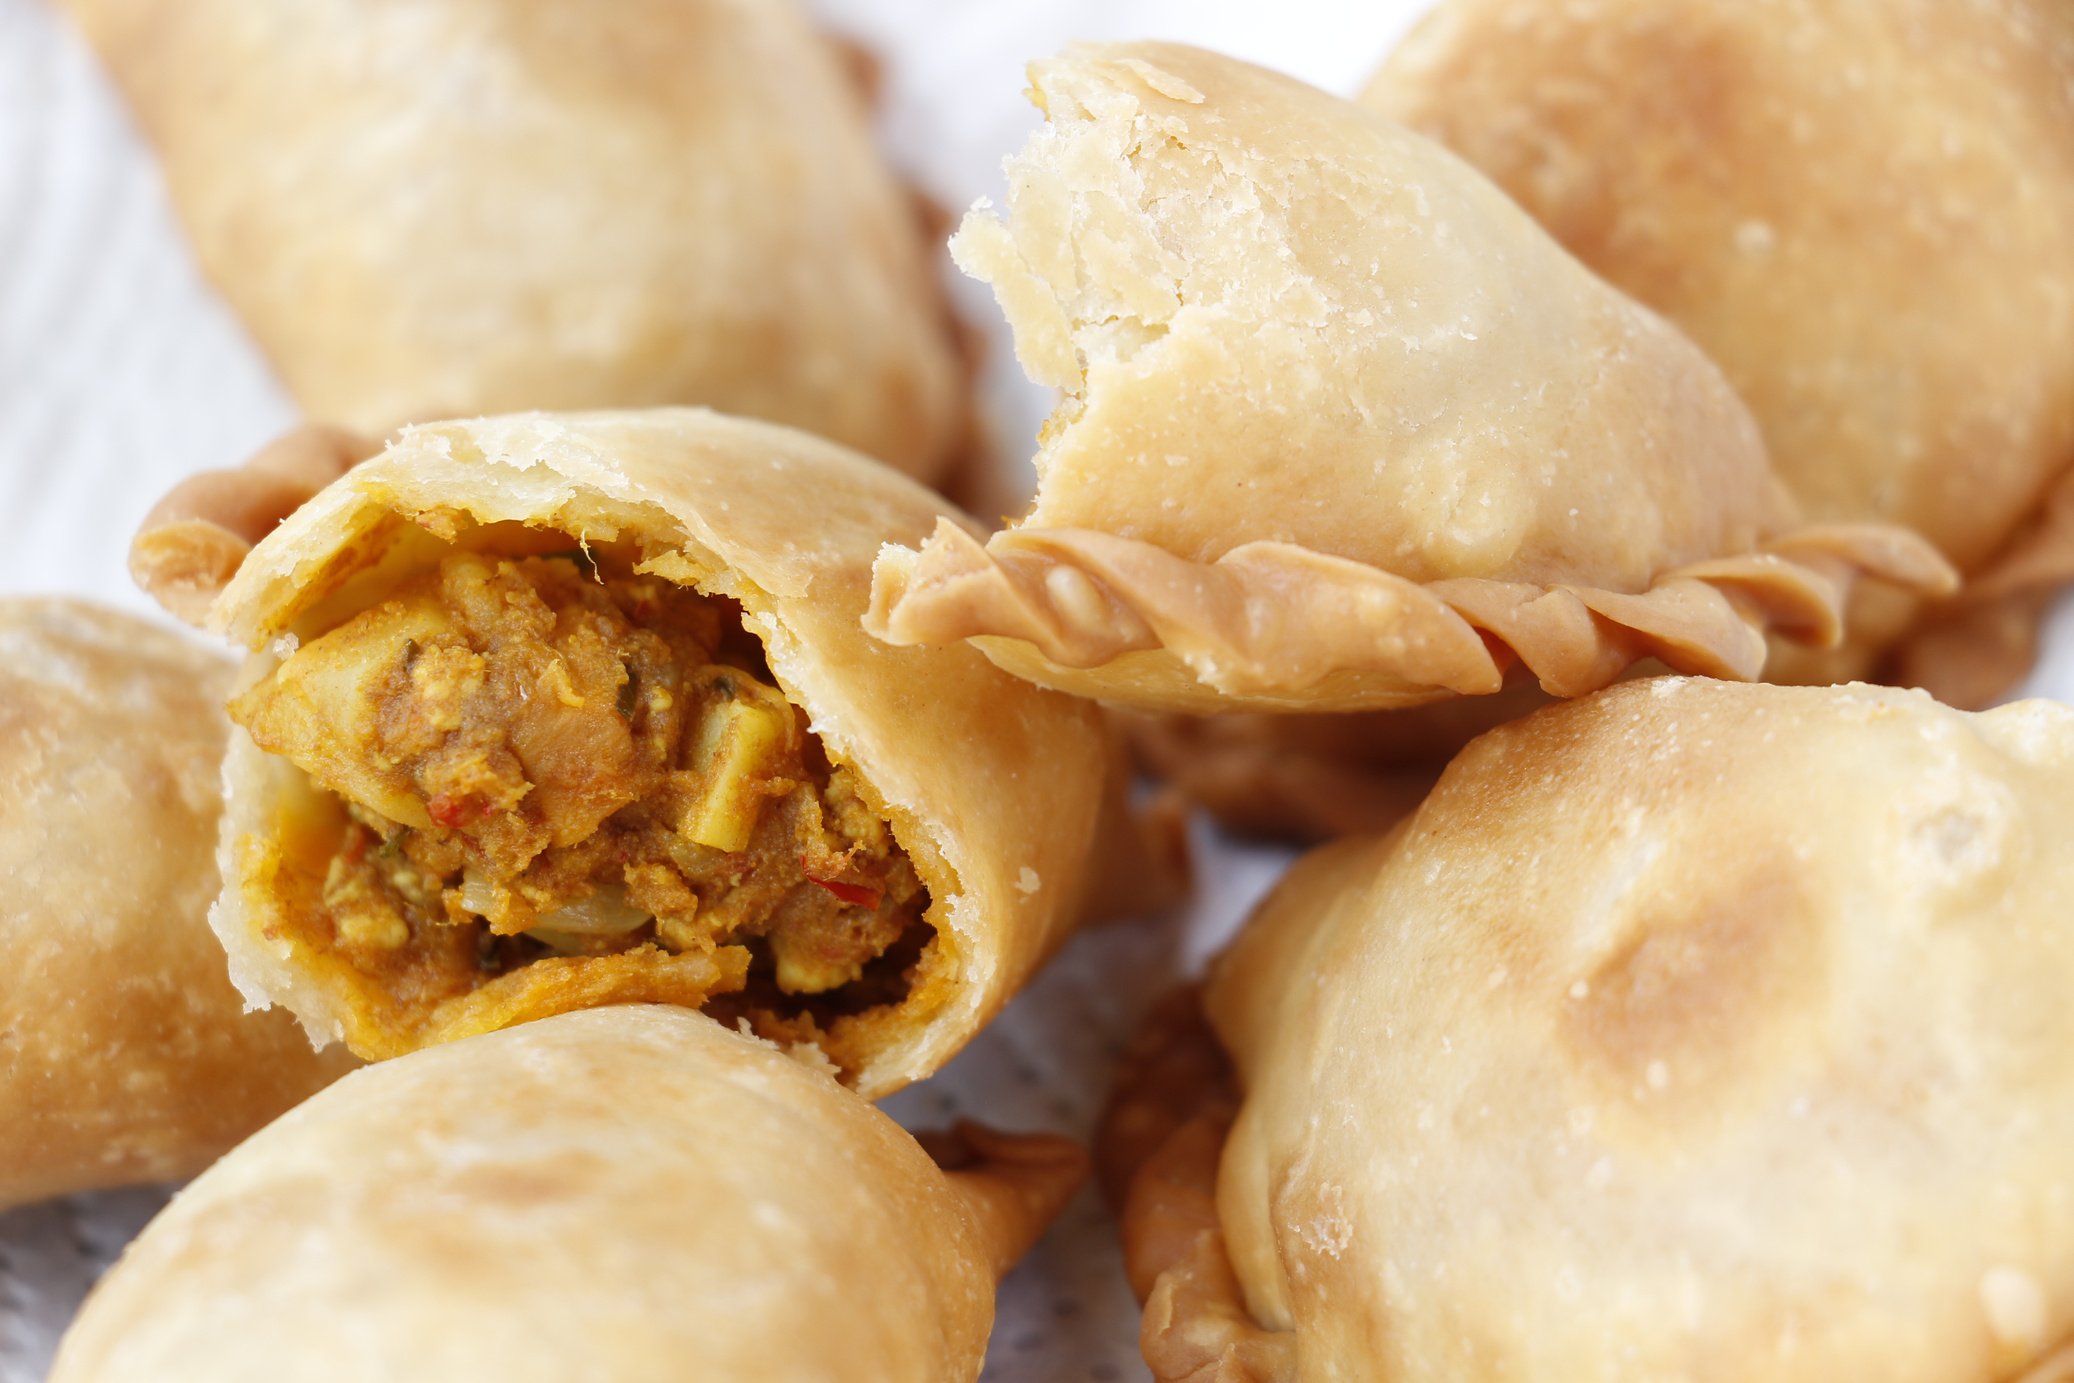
(560, 710)
(1864, 211)
(1343, 428)
(1691, 1030)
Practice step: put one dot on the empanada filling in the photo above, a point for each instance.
(573, 787)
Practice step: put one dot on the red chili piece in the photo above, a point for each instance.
(856, 895)
(453, 813)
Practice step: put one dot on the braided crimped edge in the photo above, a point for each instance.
(1272, 621)
(1161, 1137)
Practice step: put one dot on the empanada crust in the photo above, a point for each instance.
(633, 1192)
(432, 210)
(1862, 209)
(1344, 429)
(1688, 1030)
(128, 1055)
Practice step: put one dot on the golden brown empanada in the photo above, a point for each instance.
(1343, 428)
(627, 1194)
(125, 1055)
(552, 711)
(438, 208)
(1692, 1030)
(1864, 211)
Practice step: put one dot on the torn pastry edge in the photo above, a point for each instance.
(1159, 1142)
(1276, 623)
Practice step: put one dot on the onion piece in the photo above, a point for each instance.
(605, 912)
(478, 895)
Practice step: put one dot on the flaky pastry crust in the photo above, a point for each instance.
(1344, 429)
(1863, 210)
(128, 1056)
(432, 210)
(625, 1193)
(1689, 1030)
(994, 788)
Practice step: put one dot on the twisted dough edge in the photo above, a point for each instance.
(1157, 1151)
(1273, 619)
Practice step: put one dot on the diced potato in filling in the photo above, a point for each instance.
(558, 763)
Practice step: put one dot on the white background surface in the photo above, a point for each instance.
(120, 373)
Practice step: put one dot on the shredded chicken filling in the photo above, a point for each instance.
(558, 762)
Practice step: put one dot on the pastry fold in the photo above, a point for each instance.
(194, 539)
(128, 1056)
(1862, 211)
(1343, 428)
(565, 710)
(1676, 1013)
(433, 210)
(629, 1193)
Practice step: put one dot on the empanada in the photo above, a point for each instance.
(441, 208)
(626, 1194)
(125, 1055)
(1343, 428)
(1691, 1030)
(1864, 211)
(552, 711)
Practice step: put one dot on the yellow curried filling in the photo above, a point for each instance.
(591, 779)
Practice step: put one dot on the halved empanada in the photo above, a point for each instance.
(553, 711)
(441, 208)
(1692, 1030)
(627, 1194)
(1344, 429)
(1864, 211)
(125, 1054)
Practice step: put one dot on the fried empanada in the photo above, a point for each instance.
(442, 208)
(1343, 428)
(1691, 1030)
(626, 1194)
(125, 1055)
(1864, 211)
(553, 711)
